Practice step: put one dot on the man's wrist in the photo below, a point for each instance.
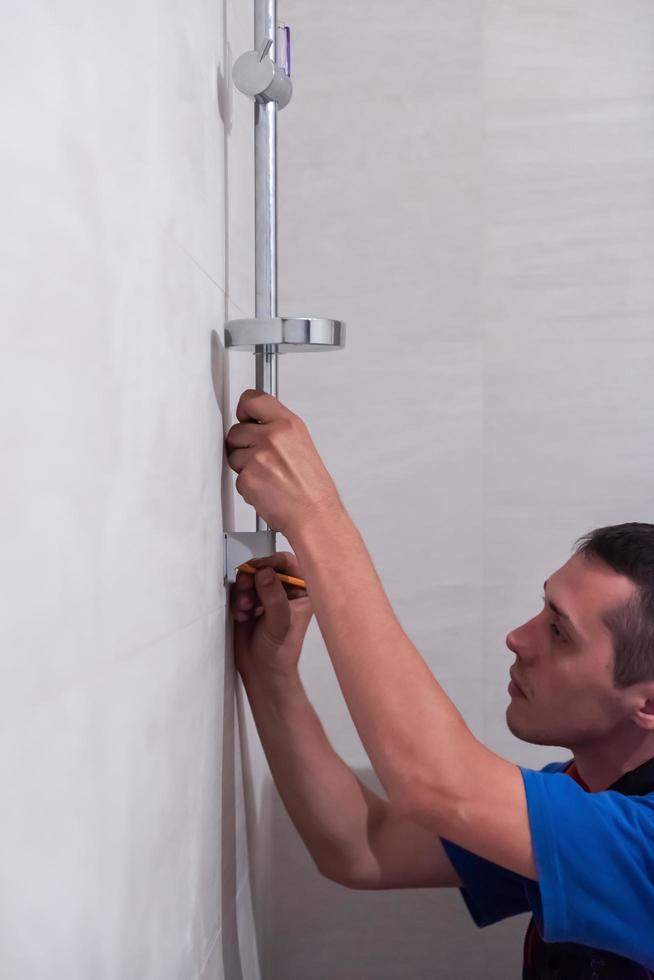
(323, 511)
(278, 682)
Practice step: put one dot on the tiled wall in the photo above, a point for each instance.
(471, 187)
(126, 166)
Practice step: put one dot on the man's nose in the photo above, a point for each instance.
(518, 641)
(511, 641)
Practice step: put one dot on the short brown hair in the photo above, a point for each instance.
(629, 550)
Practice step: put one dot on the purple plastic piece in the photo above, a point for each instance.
(283, 49)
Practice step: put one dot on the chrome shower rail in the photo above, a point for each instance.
(264, 75)
(265, 203)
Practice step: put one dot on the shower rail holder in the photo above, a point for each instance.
(286, 335)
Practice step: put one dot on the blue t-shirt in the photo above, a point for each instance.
(594, 854)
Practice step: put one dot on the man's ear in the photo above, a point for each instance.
(645, 708)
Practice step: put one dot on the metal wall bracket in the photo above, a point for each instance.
(240, 546)
(263, 80)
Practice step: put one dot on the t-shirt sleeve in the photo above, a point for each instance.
(490, 891)
(594, 854)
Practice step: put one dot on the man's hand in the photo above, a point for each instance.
(280, 472)
(270, 618)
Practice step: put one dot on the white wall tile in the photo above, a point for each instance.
(113, 441)
(122, 198)
(114, 817)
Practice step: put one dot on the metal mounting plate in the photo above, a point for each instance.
(240, 546)
(290, 335)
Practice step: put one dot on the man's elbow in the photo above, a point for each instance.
(345, 875)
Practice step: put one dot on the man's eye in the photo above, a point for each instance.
(556, 631)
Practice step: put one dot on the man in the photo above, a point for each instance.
(571, 843)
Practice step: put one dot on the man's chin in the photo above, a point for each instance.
(527, 733)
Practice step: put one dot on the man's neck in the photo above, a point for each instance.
(602, 764)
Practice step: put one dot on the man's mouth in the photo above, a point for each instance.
(514, 688)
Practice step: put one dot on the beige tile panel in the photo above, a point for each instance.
(570, 213)
(566, 448)
(379, 178)
(561, 50)
(343, 49)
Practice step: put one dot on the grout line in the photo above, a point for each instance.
(195, 262)
(198, 265)
(209, 953)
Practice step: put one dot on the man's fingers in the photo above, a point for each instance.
(242, 435)
(294, 591)
(245, 599)
(237, 460)
(281, 561)
(242, 597)
(275, 602)
(259, 405)
(244, 580)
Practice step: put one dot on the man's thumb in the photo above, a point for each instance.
(265, 576)
(269, 589)
(275, 602)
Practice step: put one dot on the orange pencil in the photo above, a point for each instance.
(245, 567)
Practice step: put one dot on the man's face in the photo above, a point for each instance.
(563, 691)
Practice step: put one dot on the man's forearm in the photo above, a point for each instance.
(331, 810)
(410, 729)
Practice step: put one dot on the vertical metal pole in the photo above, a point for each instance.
(265, 210)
